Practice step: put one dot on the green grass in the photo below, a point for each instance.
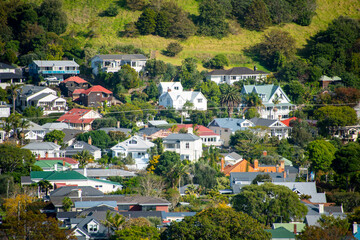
(84, 16)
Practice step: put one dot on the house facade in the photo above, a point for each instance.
(268, 95)
(112, 63)
(42, 97)
(208, 136)
(80, 119)
(275, 128)
(170, 87)
(188, 145)
(79, 146)
(225, 127)
(9, 74)
(57, 68)
(137, 148)
(69, 85)
(178, 99)
(93, 97)
(45, 149)
(236, 74)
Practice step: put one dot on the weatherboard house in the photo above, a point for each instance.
(57, 68)
(236, 74)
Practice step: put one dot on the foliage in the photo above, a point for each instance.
(14, 159)
(269, 203)
(103, 123)
(173, 49)
(147, 22)
(205, 175)
(137, 232)
(217, 62)
(302, 133)
(7, 185)
(258, 16)
(114, 221)
(99, 138)
(230, 98)
(251, 113)
(67, 204)
(55, 135)
(153, 162)
(262, 178)
(45, 184)
(349, 200)
(111, 11)
(84, 157)
(188, 74)
(211, 224)
(117, 136)
(320, 154)
(52, 17)
(151, 185)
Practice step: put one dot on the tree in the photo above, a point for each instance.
(211, 91)
(151, 185)
(331, 117)
(24, 124)
(147, 22)
(52, 16)
(269, 203)
(262, 178)
(212, 19)
(204, 174)
(257, 16)
(251, 113)
(217, 62)
(55, 135)
(230, 98)
(13, 159)
(320, 154)
(45, 185)
(84, 157)
(114, 221)
(111, 11)
(138, 232)
(33, 112)
(127, 77)
(189, 75)
(173, 49)
(67, 204)
(212, 224)
(14, 88)
(170, 166)
(99, 138)
(302, 133)
(347, 161)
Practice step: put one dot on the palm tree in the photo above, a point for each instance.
(14, 121)
(253, 100)
(84, 157)
(45, 184)
(7, 128)
(113, 222)
(230, 98)
(13, 88)
(67, 203)
(276, 101)
(23, 124)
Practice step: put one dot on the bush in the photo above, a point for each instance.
(111, 11)
(173, 49)
(217, 62)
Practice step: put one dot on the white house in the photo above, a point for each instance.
(80, 146)
(268, 94)
(236, 74)
(178, 99)
(45, 149)
(275, 127)
(4, 109)
(188, 145)
(54, 68)
(137, 148)
(170, 87)
(112, 63)
(42, 97)
(34, 132)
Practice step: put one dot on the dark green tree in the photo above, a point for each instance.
(162, 24)
(55, 135)
(230, 98)
(189, 75)
(269, 203)
(52, 17)
(152, 91)
(320, 154)
(147, 22)
(217, 62)
(173, 49)
(302, 133)
(257, 16)
(127, 77)
(99, 138)
(262, 178)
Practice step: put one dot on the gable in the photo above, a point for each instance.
(278, 124)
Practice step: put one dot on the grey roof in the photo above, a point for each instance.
(65, 215)
(56, 126)
(30, 89)
(40, 96)
(178, 214)
(42, 146)
(313, 214)
(144, 214)
(101, 173)
(91, 204)
(234, 155)
(71, 150)
(114, 129)
(50, 63)
(175, 137)
(158, 122)
(236, 71)
(90, 211)
(149, 131)
(234, 124)
(308, 188)
(263, 121)
(26, 180)
(4, 66)
(70, 133)
(72, 191)
(140, 144)
(122, 56)
(102, 231)
(35, 127)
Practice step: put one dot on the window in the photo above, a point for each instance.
(187, 145)
(149, 208)
(176, 88)
(60, 68)
(200, 100)
(226, 130)
(133, 64)
(93, 228)
(233, 77)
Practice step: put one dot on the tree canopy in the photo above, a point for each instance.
(320, 153)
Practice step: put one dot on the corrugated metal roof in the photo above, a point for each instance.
(50, 63)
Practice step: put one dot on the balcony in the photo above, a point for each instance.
(59, 72)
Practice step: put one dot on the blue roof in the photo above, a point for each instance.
(90, 204)
(232, 123)
(177, 214)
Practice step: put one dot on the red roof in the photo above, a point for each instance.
(287, 121)
(201, 130)
(97, 88)
(75, 116)
(78, 91)
(66, 159)
(75, 79)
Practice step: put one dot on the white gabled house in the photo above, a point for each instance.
(170, 87)
(236, 74)
(45, 149)
(275, 127)
(267, 94)
(137, 148)
(178, 99)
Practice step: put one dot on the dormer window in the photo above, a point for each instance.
(93, 227)
(133, 141)
(176, 88)
(78, 145)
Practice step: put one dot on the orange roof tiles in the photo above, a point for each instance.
(75, 79)
(287, 121)
(200, 129)
(75, 116)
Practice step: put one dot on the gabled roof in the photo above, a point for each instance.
(287, 121)
(233, 124)
(58, 175)
(35, 127)
(149, 131)
(168, 85)
(4, 66)
(72, 191)
(268, 90)
(158, 122)
(31, 89)
(100, 172)
(185, 95)
(42, 146)
(281, 233)
(290, 226)
(122, 56)
(130, 144)
(199, 129)
(96, 88)
(43, 95)
(56, 126)
(265, 122)
(84, 146)
(181, 137)
(75, 115)
(51, 63)
(75, 79)
(233, 155)
(51, 163)
(236, 71)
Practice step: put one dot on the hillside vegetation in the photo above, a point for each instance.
(83, 16)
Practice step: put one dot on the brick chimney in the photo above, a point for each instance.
(295, 229)
(265, 153)
(89, 140)
(284, 174)
(256, 164)
(282, 165)
(222, 164)
(46, 155)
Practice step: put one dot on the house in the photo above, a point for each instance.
(274, 127)
(170, 87)
(112, 63)
(34, 133)
(315, 211)
(79, 146)
(268, 94)
(236, 74)
(71, 178)
(9, 74)
(137, 148)
(55, 126)
(152, 133)
(325, 80)
(347, 133)
(69, 85)
(42, 97)
(231, 158)
(45, 149)
(281, 233)
(157, 123)
(225, 127)
(4, 109)
(70, 136)
(188, 145)
(53, 165)
(93, 97)
(57, 68)
(80, 119)
(245, 166)
(288, 121)
(208, 136)
(178, 99)
(295, 227)
(65, 161)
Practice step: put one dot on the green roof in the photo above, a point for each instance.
(281, 233)
(51, 163)
(105, 181)
(57, 175)
(287, 161)
(290, 226)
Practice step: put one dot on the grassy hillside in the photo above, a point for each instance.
(84, 16)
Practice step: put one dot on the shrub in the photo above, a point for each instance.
(173, 49)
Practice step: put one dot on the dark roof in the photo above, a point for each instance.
(66, 215)
(262, 121)
(149, 131)
(4, 65)
(114, 129)
(122, 56)
(26, 180)
(70, 134)
(89, 211)
(236, 71)
(71, 150)
(4, 76)
(181, 137)
(138, 214)
(71, 191)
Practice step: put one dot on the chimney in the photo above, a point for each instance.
(190, 130)
(321, 208)
(222, 164)
(256, 164)
(55, 167)
(85, 172)
(279, 117)
(56, 141)
(355, 228)
(118, 124)
(63, 164)
(264, 153)
(282, 165)
(39, 157)
(277, 167)
(46, 155)
(284, 175)
(79, 193)
(255, 68)
(295, 229)
(89, 140)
